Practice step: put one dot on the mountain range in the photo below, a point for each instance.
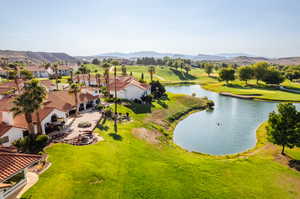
(238, 58)
(36, 57)
(154, 54)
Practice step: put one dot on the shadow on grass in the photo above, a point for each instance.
(162, 103)
(116, 136)
(182, 75)
(139, 108)
(102, 127)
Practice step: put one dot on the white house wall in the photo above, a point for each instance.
(131, 92)
(47, 119)
(13, 134)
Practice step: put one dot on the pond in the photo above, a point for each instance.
(230, 128)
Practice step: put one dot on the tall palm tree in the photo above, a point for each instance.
(106, 67)
(23, 105)
(151, 71)
(75, 89)
(13, 74)
(55, 69)
(115, 63)
(39, 95)
(98, 80)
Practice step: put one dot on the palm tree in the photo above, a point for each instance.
(55, 69)
(98, 79)
(75, 89)
(106, 67)
(39, 95)
(115, 63)
(23, 105)
(151, 71)
(13, 74)
(89, 76)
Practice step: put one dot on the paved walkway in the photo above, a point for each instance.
(32, 178)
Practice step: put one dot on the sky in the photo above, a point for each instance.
(89, 27)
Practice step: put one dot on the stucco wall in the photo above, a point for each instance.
(47, 119)
(13, 134)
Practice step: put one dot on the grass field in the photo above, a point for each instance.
(125, 166)
(196, 75)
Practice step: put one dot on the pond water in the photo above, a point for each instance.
(229, 128)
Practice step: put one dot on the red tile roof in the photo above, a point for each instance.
(4, 128)
(35, 68)
(125, 81)
(12, 163)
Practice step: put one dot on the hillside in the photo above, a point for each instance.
(244, 60)
(36, 57)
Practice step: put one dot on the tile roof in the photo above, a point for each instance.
(4, 128)
(6, 103)
(125, 81)
(64, 101)
(20, 121)
(35, 68)
(12, 163)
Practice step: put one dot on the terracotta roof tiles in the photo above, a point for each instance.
(12, 163)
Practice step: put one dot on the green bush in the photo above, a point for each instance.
(84, 124)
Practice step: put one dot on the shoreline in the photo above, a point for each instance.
(229, 94)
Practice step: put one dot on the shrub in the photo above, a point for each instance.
(31, 143)
(84, 124)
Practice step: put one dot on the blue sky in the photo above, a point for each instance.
(88, 27)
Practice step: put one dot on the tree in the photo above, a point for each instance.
(245, 73)
(13, 74)
(260, 69)
(283, 127)
(39, 95)
(115, 63)
(157, 89)
(187, 68)
(273, 76)
(124, 70)
(106, 67)
(75, 90)
(96, 61)
(22, 104)
(55, 69)
(25, 74)
(142, 77)
(227, 74)
(208, 67)
(151, 71)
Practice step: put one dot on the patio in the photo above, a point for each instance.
(73, 132)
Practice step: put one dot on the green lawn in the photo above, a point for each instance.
(127, 167)
(169, 75)
(265, 92)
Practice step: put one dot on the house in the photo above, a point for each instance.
(39, 72)
(56, 109)
(88, 79)
(128, 88)
(64, 70)
(13, 170)
(10, 87)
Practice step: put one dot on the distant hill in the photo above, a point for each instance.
(154, 54)
(36, 57)
(244, 60)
